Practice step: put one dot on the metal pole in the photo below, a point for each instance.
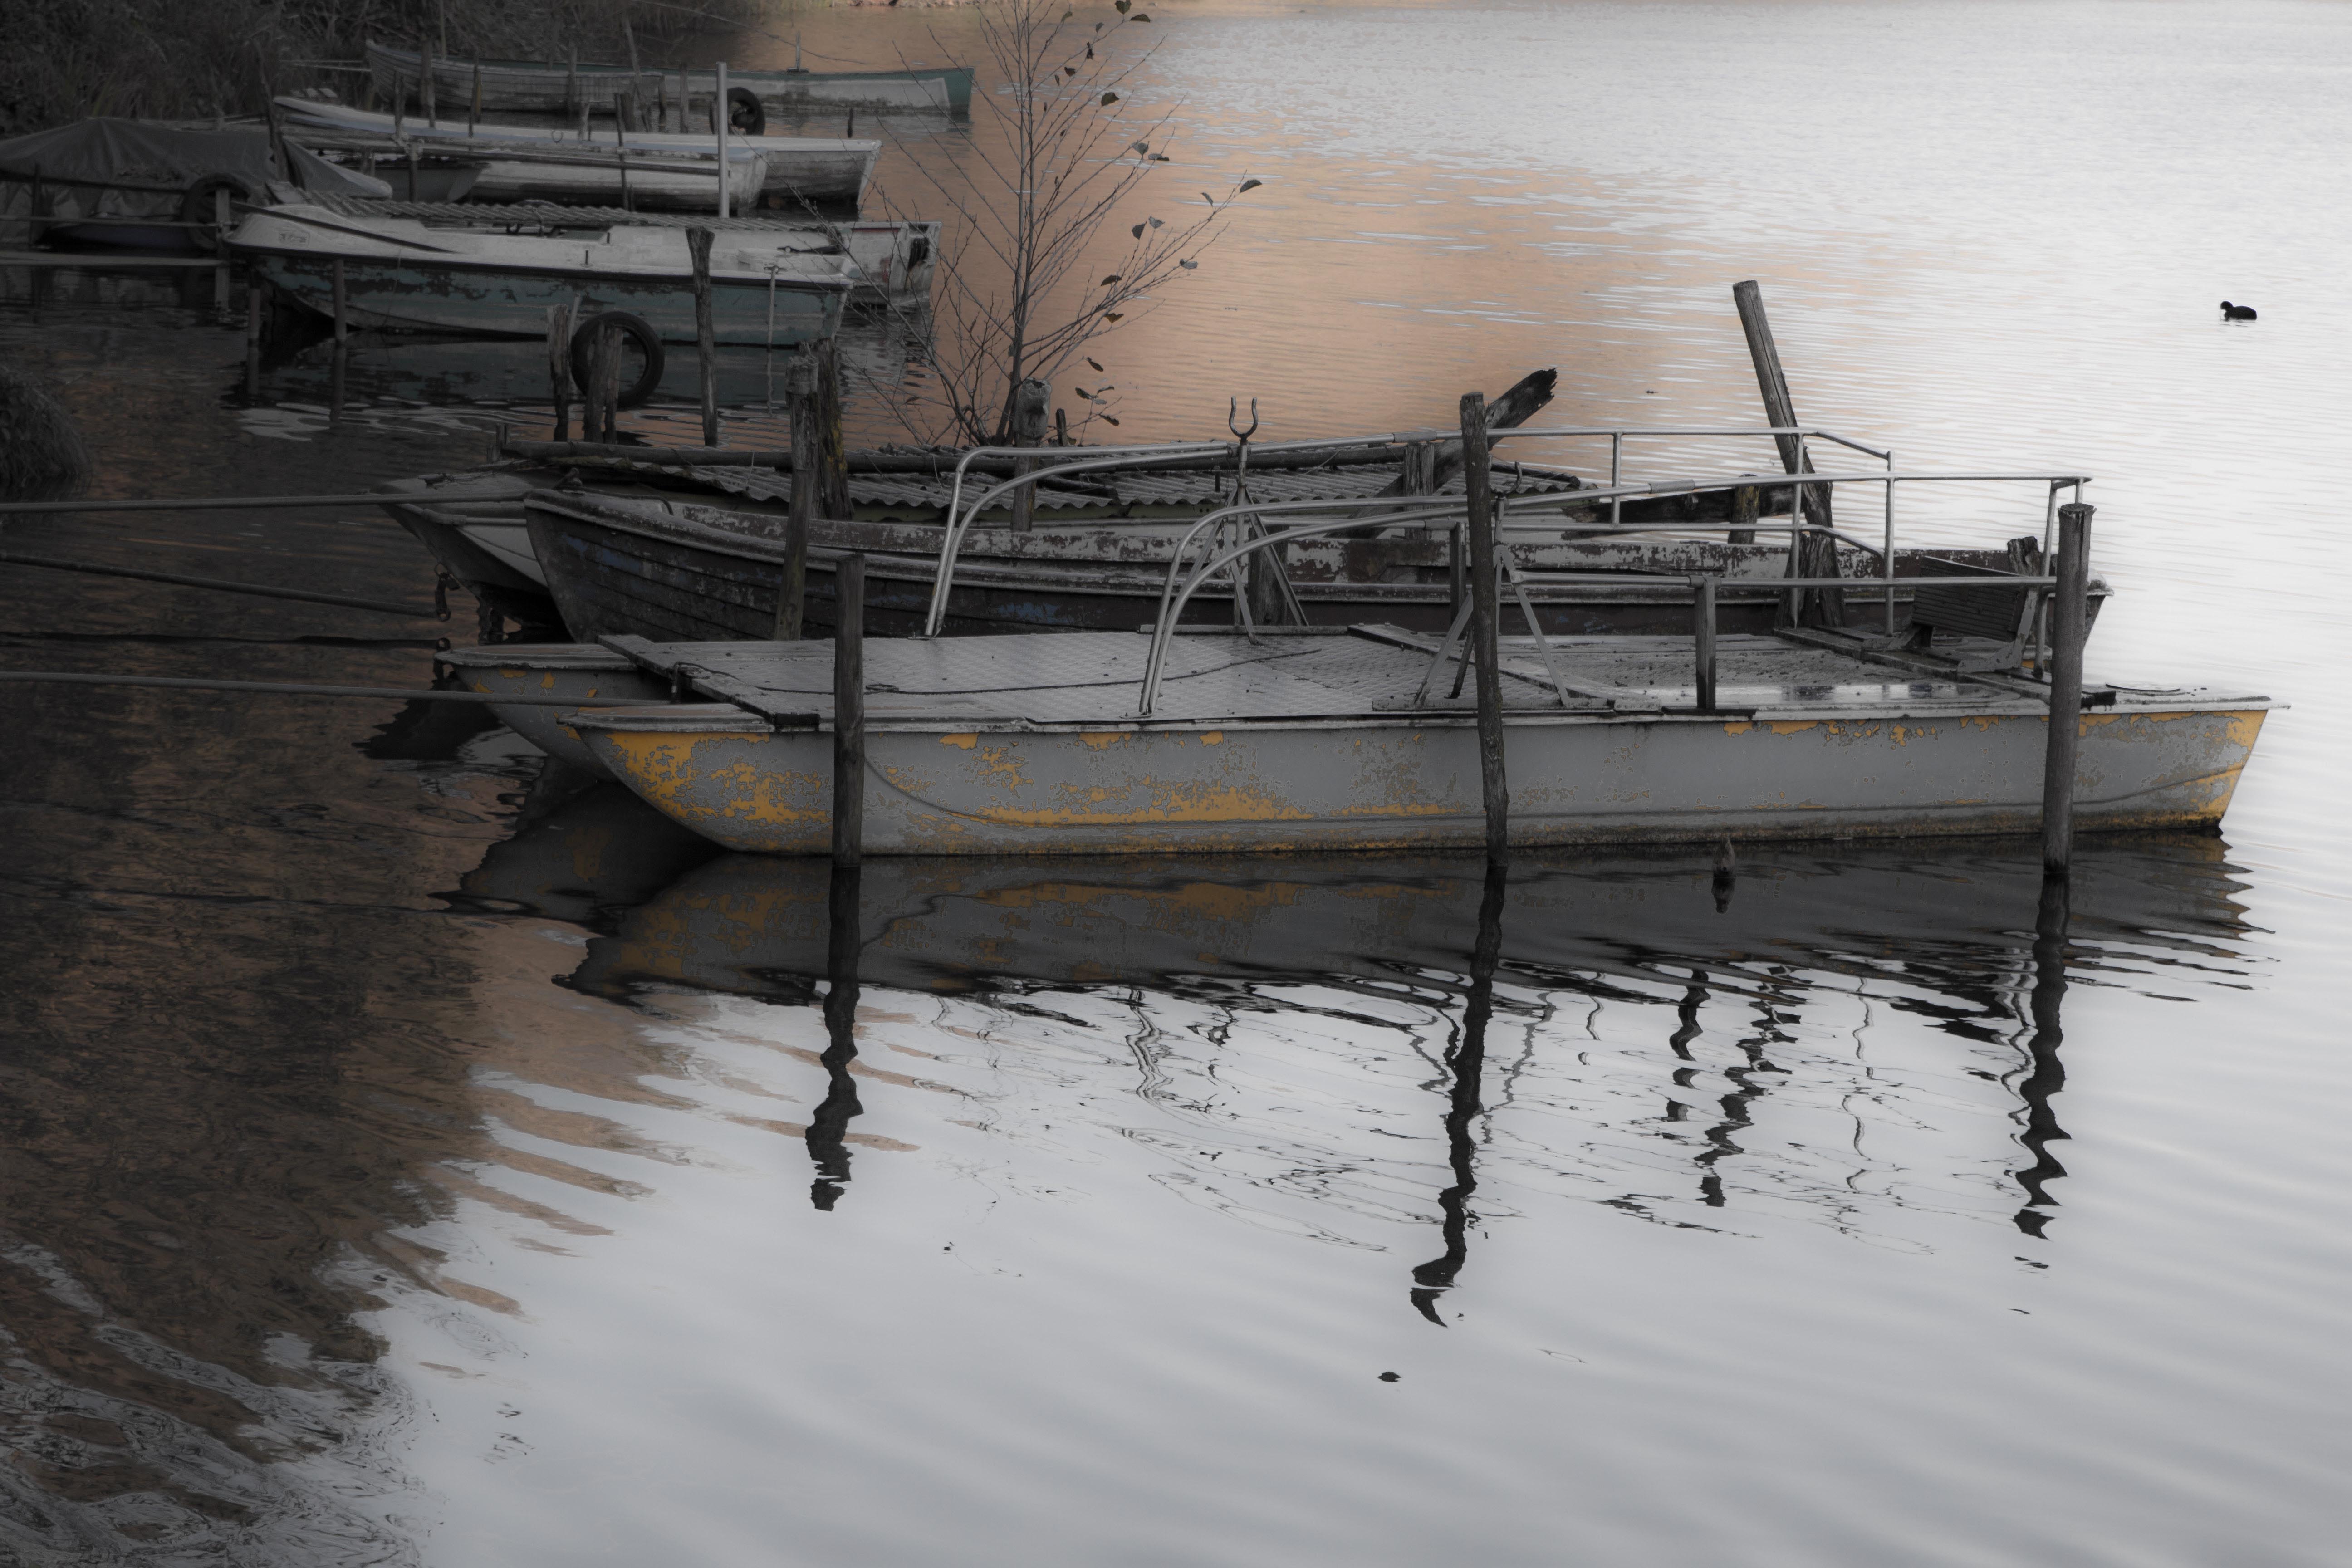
(1888, 561)
(1703, 636)
(1456, 585)
(1796, 597)
(1616, 456)
(718, 118)
(1485, 617)
(849, 710)
(2068, 623)
(2042, 611)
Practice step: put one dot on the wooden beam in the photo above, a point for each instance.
(1486, 617)
(1815, 555)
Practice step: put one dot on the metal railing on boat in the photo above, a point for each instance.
(1098, 459)
(1517, 513)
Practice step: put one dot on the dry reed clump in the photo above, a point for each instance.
(41, 453)
(169, 59)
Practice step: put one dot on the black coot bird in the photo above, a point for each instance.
(2236, 312)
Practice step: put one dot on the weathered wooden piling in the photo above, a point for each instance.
(1030, 400)
(559, 367)
(1746, 503)
(706, 344)
(424, 83)
(592, 420)
(1810, 554)
(800, 391)
(1703, 636)
(342, 303)
(1485, 617)
(608, 386)
(2069, 621)
(849, 710)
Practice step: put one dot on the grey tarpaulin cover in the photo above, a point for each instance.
(141, 168)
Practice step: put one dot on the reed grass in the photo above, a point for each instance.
(173, 60)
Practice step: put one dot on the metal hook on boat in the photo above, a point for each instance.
(1233, 422)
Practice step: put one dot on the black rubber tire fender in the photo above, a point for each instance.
(633, 328)
(746, 115)
(196, 206)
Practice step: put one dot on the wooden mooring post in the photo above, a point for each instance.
(849, 710)
(1029, 418)
(808, 440)
(706, 344)
(1485, 617)
(559, 367)
(2069, 621)
(1815, 554)
(343, 301)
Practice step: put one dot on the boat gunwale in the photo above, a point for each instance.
(726, 718)
(414, 59)
(522, 269)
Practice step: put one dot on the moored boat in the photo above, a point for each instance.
(827, 171)
(891, 260)
(1359, 738)
(547, 86)
(1031, 744)
(150, 184)
(399, 276)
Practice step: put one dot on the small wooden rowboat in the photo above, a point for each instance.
(539, 87)
(1032, 744)
(678, 571)
(399, 276)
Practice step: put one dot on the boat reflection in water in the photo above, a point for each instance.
(1854, 1030)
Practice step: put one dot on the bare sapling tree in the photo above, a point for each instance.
(1055, 161)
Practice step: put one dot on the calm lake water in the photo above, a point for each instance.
(407, 1162)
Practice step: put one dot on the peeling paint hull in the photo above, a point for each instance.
(1030, 773)
(559, 669)
(1279, 789)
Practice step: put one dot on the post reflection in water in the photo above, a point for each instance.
(1829, 1043)
(827, 1141)
(1468, 1063)
(2047, 1074)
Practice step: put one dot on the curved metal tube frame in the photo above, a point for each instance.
(1174, 599)
(1099, 457)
